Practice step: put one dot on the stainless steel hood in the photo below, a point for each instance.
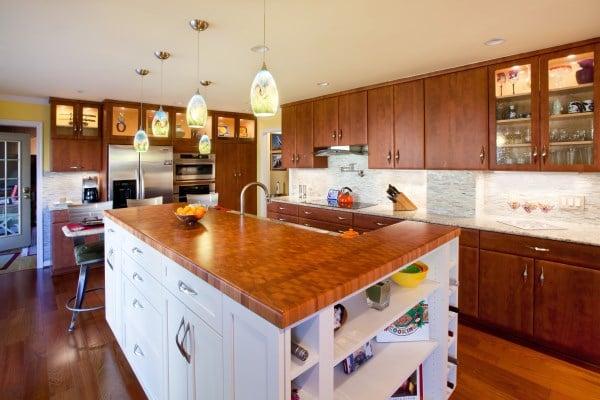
(342, 150)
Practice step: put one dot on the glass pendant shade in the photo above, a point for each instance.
(197, 112)
(160, 123)
(264, 97)
(204, 144)
(140, 141)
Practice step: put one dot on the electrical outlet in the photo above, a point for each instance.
(576, 202)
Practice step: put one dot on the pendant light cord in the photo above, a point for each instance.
(141, 101)
(162, 62)
(198, 57)
(264, 29)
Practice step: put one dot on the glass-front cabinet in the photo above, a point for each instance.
(568, 116)
(72, 119)
(514, 118)
(186, 138)
(225, 127)
(124, 120)
(233, 126)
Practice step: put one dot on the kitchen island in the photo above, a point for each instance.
(211, 311)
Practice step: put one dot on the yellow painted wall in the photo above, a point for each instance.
(30, 112)
(263, 156)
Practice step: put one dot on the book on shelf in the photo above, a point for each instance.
(412, 326)
(358, 358)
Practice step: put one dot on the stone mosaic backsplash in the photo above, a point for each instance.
(458, 193)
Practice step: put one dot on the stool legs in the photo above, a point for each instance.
(80, 294)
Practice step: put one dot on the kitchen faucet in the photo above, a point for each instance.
(259, 184)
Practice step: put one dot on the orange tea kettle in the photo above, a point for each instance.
(344, 198)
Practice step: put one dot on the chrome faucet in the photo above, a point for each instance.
(242, 197)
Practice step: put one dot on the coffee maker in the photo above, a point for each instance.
(91, 194)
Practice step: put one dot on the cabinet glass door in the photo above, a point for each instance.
(515, 99)
(247, 129)
(226, 127)
(182, 130)
(65, 118)
(570, 132)
(90, 118)
(125, 121)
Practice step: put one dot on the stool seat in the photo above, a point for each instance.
(89, 253)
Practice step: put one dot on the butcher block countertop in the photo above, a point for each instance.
(279, 271)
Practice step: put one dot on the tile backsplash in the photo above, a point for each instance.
(458, 193)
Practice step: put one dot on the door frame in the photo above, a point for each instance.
(263, 168)
(39, 148)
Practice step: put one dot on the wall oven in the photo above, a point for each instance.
(181, 189)
(193, 167)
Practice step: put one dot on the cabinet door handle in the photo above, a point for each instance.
(534, 154)
(540, 249)
(389, 156)
(183, 288)
(397, 155)
(542, 277)
(544, 154)
(525, 273)
(340, 135)
(482, 154)
(297, 157)
(293, 158)
(333, 135)
(180, 345)
(111, 230)
(137, 350)
(136, 304)
(136, 250)
(110, 265)
(137, 276)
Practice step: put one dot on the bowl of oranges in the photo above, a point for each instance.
(190, 214)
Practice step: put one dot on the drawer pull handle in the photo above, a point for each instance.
(309, 225)
(136, 250)
(137, 350)
(183, 288)
(180, 345)
(281, 208)
(110, 265)
(137, 276)
(380, 223)
(136, 304)
(540, 249)
(307, 212)
(281, 219)
(341, 218)
(542, 277)
(111, 230)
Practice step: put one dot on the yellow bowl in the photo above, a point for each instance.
(411, 279)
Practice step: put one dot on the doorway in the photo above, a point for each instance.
(20, 189)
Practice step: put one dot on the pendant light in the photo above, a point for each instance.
(160, 122)
(197, 113)
(264, 97)
(140, 140)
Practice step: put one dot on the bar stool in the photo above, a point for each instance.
(86, 255)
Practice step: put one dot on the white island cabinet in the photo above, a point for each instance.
(185, 339)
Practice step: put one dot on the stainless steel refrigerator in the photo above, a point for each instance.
(143, 175)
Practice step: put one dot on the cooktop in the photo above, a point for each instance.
(354, 206)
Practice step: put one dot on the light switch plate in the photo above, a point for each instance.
(571, 202)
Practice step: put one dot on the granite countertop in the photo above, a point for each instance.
(575, 233)
(279, 271)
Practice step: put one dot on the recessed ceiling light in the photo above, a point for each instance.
(322, 84)
(260, 48)
(494, 42)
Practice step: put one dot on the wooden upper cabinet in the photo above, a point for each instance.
(303, 128)
(325, 122)
(74, 119)
(122, 121)
(409, 125)
(569, 121)
(288, 136)
(506, 291)
(514, 115)
(380, 127)
(186, 139)
(456, 120)
(352, 119)
(567, 312)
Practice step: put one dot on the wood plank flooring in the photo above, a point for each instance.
(40, 360)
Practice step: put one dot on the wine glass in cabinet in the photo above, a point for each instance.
(514, 115)
(569, 118)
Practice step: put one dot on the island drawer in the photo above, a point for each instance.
(145, 255)
(546, 249)
(139, 311)
(282, 217)
(146, 361)
(325, 215)
(142, 280)
(203, 299)
(370, 222)
(327, 226)
(282, 208)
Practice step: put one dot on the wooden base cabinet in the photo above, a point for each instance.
(567, 308)
(468, 289)
(506, 291)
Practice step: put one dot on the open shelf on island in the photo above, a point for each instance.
(364, 323)
(298, 367)
(306, 335)
(378, 378)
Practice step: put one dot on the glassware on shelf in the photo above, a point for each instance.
(558, 74)
(513, 77)
(501, 79)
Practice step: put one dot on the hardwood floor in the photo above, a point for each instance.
(40, 360)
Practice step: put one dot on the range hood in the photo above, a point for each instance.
(342, 150)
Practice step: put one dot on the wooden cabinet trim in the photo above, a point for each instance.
(469, 237)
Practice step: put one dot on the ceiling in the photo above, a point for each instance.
(89, 49)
